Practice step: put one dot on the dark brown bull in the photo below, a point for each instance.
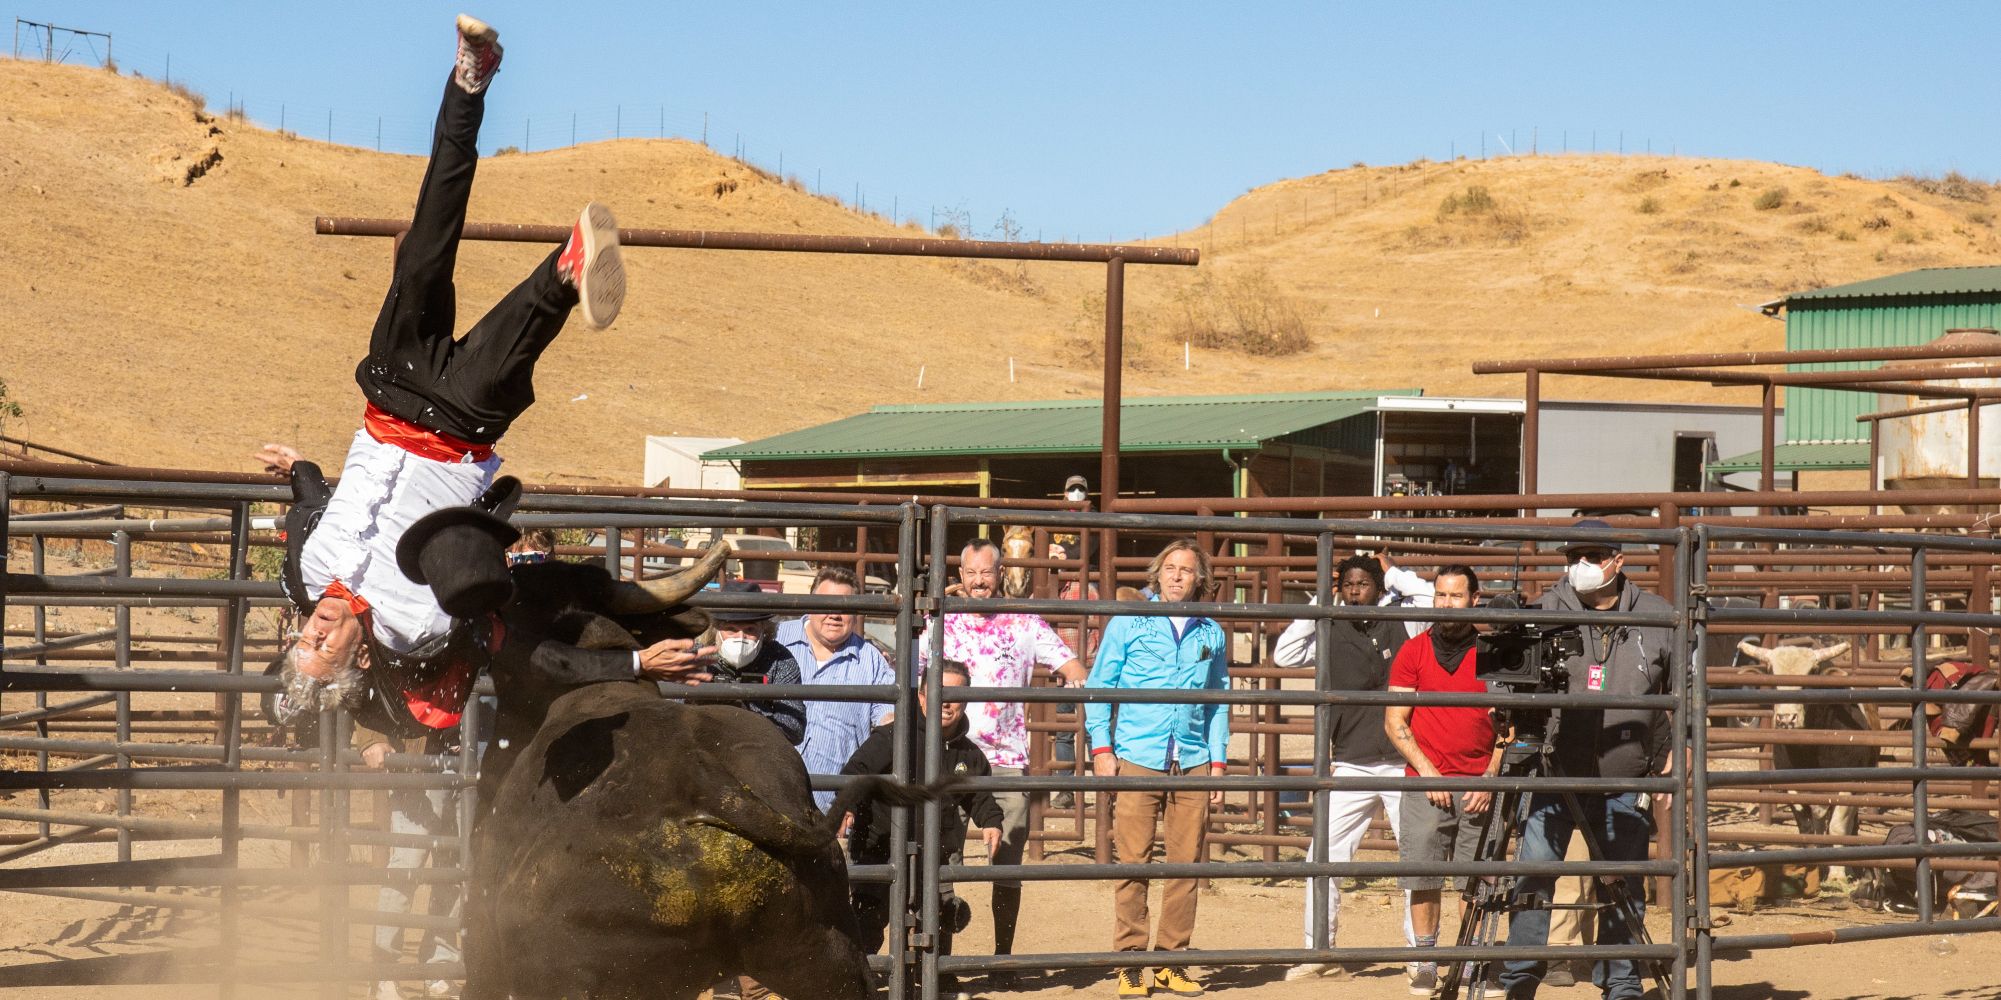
(635, 846)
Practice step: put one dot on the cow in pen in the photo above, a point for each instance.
(1789, 660)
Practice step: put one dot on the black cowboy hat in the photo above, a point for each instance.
(740, 614)
(461, 554)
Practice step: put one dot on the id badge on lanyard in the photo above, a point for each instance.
(1594, 678)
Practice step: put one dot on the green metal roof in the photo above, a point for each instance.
(1157, 423)
(1814, 457)
(1924, 281)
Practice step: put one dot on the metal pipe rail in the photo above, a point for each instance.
(693, 239)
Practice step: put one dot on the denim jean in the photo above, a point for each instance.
(427, 811)
(1624, 831)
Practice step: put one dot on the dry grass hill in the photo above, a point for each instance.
(168, 303)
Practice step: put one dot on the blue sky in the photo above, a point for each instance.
(1109, 120)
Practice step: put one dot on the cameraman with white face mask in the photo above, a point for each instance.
(746, 654)
(1592, 743)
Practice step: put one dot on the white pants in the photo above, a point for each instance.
(1348, 815)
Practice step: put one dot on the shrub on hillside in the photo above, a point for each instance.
(1954, 185)
(9, 409)
(1769, 199)
(1476, 200)
(1242, 311)
(1650, 206)
(191, 95)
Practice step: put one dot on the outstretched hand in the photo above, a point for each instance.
(278, 458)
(676, 660)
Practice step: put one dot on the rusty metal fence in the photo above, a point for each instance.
(88, 734)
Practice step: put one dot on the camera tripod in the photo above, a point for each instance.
(1487, 899)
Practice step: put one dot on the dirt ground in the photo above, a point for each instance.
(1057, 917)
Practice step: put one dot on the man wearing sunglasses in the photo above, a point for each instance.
(1593, 743)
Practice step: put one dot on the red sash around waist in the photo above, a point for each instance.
(423, 442)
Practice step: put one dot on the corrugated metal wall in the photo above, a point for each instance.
(1905, 321)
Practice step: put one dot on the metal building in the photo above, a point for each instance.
(1368, 443)
(1897, 310)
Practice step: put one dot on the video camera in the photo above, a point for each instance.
(1526, 657)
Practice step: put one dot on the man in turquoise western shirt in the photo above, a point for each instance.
(1169, 652)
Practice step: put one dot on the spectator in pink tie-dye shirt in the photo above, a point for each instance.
(1001, 650)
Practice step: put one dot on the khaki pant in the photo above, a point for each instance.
(1568, 927)
(1185, 814)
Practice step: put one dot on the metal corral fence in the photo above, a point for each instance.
(89, 736)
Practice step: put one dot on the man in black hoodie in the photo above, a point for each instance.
(1594, 743)
(868, 837)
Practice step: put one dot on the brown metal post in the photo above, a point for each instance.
(1268, 815)
(1768, 438)
(1973, 442)
(1875, 457)
(861, 562)
(1531, 433)
(1115, 328)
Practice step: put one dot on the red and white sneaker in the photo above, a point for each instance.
(479, 54)
(591, 264)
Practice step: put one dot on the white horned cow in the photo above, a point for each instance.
(1795, 660)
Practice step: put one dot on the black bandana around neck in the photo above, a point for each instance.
(1451, 652)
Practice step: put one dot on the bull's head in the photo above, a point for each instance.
(1017, 544)
(1791, 661)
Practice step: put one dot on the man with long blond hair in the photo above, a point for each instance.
(1177, 652)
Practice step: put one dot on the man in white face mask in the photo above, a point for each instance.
(746, 654)
(1595, 743)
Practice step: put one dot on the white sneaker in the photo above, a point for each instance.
(1423, 979)
(479, 54)
(1311, 970)
(440, 988)
(591, 263)
(385, 990)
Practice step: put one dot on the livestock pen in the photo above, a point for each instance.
(111, 714)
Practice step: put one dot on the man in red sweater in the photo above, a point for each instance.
(1440, 742)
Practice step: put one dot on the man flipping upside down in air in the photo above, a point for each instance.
(435, 408)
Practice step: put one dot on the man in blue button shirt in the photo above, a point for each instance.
(1151, 740)
(830, 650)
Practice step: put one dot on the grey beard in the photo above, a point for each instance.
(304, 694)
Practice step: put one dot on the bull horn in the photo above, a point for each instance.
(1755, 651)
(647, 596)
(1824, 655)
